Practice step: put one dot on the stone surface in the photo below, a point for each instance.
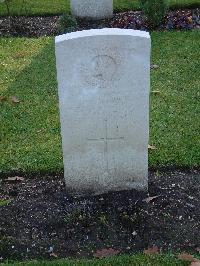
(92, 9)
(104, 83)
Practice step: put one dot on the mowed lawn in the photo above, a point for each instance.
(125, 260)
(49, 7)
(30, 130)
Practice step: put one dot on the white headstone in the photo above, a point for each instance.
(92, 9)
(104, 83)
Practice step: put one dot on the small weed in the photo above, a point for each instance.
(103, 220)
(154, 11)
(76, 217)
(4, 202)
(67, 23)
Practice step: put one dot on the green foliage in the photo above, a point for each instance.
(77, 216)
(67, 23)
(6, 3)
(4, 202)
(154, 11)
(24, 8)
(125, 260)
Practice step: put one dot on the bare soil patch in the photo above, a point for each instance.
(40, 217)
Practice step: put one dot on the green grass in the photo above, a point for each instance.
(4, 202)
(30, 130)
(49, 7)
(125, 260)
(120, 5)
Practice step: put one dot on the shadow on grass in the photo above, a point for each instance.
(31, 129)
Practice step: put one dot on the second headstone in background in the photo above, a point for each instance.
(92, 9)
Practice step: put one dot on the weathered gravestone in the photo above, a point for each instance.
(104, 80)
(92, 9)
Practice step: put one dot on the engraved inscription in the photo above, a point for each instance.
(103, 67)
(98, 71)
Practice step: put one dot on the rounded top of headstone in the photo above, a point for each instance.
(103, 32)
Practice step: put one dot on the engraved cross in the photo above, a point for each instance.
(106, 139)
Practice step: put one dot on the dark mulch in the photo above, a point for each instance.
(42, 218)
(175, 20)
(29, 26)
(186, 19)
